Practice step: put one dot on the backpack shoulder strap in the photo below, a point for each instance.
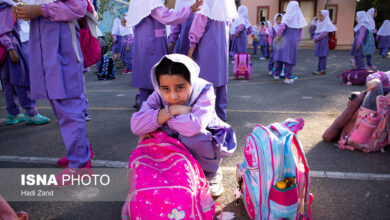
(72, 28)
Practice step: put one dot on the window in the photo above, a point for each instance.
(262, 13)
(333, 12)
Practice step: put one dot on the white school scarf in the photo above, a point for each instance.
(241, 19)
(294, 17)
(140, 9)
(116, 27)
(314, 21)
(269, 26)
(24, 32)
(370, 14)
(276, 25)
(197, 84)
(326, 25)
(362, 20)
(384, 30)
(219, 10)
(37, 2)
(179, 4)
(125, 30)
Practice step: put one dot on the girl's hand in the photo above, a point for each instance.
(28, 12)
(127, 48)
(191, 52)
(357, 47)
(238, 34)
(13, 55)
(180, 109)
(195, 6)
(270, 49)
(171, 47)
(277, 38)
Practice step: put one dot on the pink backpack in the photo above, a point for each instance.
(166, 182)
(370, 130)
(242, 66)
(3, 54)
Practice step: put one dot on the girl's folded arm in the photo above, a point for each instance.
(170, 17)
(197, 29)
(280, 29)
(5, 40)
(69, 10)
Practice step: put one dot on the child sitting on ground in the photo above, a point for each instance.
(183, 105)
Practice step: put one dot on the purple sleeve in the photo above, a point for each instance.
(129, 39)
(240, 28)
(145, 120)
(300, 35)
(202, 113)
(175, 30)
(377, 37)
(280, 29)
(114, 38)
(318, 37)
(6, 24)
(362, 32)
(271, 35)
(170, 17)
(197, 29)
(249, 31)
(69, 10)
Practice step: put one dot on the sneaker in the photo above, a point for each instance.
(64, 162)
(87, 117)
(371, 67)
(14, 119)
(294, 77)
(319, 73)
(276, 77)
(270, 72)
(37, 119)
(126, 72)
(282, 75)
(78, 174)
(262, 58)
(215, 184)
(288, 81)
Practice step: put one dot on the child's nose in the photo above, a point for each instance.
(174, 95)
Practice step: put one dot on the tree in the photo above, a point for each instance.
(382, 7)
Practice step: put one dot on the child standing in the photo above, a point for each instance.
(289, 33)
(182, 105)
(255, 38)
(209, 46)
(57, 74)
(116, 38)
(14, 70)
(242, 28)
(324, 27)
(383, 38)
(149, 17)
(371, 14)
(361, 32)
(313, 26)
(277, 21)
(126, 46)
(263, 33)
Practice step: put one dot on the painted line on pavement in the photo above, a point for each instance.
(121, 164)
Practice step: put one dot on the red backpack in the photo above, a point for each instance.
(3, 54)
(332, 40)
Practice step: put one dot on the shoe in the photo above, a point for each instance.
(37, 119)
(87, 117)
(315, 72)
(319, 73)
(232, 62)
(78, 174)
(64, 162)
(215, 184)
(288, 81)
(294, 77)
(14, 119)
(270, 72)
(21, 215)
(126, 72)
(262, 58)
(371, 67)
(276, 77)
(282, 75)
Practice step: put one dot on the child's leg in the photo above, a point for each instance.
(369, 60)
(84, 96)
(9, 92)
(288, 70)
(70, 115)
(221, 101)
(263, 51)
(322, 63)
(144, 94)
(202, 148)
(278, 69)
(271, 64)
(25, 101)
(359, 62)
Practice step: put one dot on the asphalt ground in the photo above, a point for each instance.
(260, 100)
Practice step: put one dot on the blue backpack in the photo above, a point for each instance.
(369, 48)
(107, 70)
(274, 181)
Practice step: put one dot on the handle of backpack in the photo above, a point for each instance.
(303, 158)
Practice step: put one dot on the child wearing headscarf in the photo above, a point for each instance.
(116, 38)
(324, 27)
(313, 26)
(182, 105)
(371, 14)
(263, 33)
(289, 34)
(242, 28)
(209, 46)
(383, 38)
(126, 34)
(149, 17)
(361, 32)
(277, 21)
(255, 38)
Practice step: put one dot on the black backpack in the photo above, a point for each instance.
(103, 45)
(107, 70)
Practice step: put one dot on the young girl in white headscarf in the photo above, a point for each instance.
(383, 38)
(371, 14)
(313, 26)
(255, 38)
(242, 28)
(361, 32)
(289, 34)
(263, 43)
(116, 38)
(324, 27)
(277, 21)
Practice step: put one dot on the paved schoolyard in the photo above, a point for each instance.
(318, 99)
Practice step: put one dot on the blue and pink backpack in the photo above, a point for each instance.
(242, 65)
(273, 154)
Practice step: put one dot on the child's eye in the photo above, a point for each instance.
(165, 89)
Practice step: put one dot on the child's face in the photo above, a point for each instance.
(278, 20)
(321, 17)
(123, 22)
(175, 90)
(262, 26)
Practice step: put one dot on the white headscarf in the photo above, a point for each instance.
(362, 20)
(116, 27)
(269, 26)
(370, 14)
(219, 10)
(276, 25)
(314, 21)
(8, 2)
(24, 30)
(125, 30)
(326, 25)
(242, 18)
(140, 9)
(37, 2)
(384, 30)
(197, 84)
(294, 17)
(183, 3)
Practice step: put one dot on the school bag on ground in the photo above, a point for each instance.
(107, 70)
(242, 65)
(274, 180)
(166, 182)
(355, 76)
(369, 48)
(368, 130)
(332, 40)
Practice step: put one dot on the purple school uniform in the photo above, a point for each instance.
(127, 56)
(312, 30)
(383, 44)
(15, 76)
(117, 44)
(271, 55)
(57, 75)
(322, 49)
(286, 49)
(150, 44)
(263, 43)
(204, 134)
(179, 34)
(360, 36)
(240, 44)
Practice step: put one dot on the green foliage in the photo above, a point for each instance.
(108, 38)
(382, 7)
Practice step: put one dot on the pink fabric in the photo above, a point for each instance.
(69, 10)
(240, 28)
(284, 197)
(300, 35)
(175, 30)
(6, 24)
(197, 30)
(320, 36)
(145, 121)
(114, 38)
(280, 29)
(249, 31)
(362, 32)
(170, 17)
